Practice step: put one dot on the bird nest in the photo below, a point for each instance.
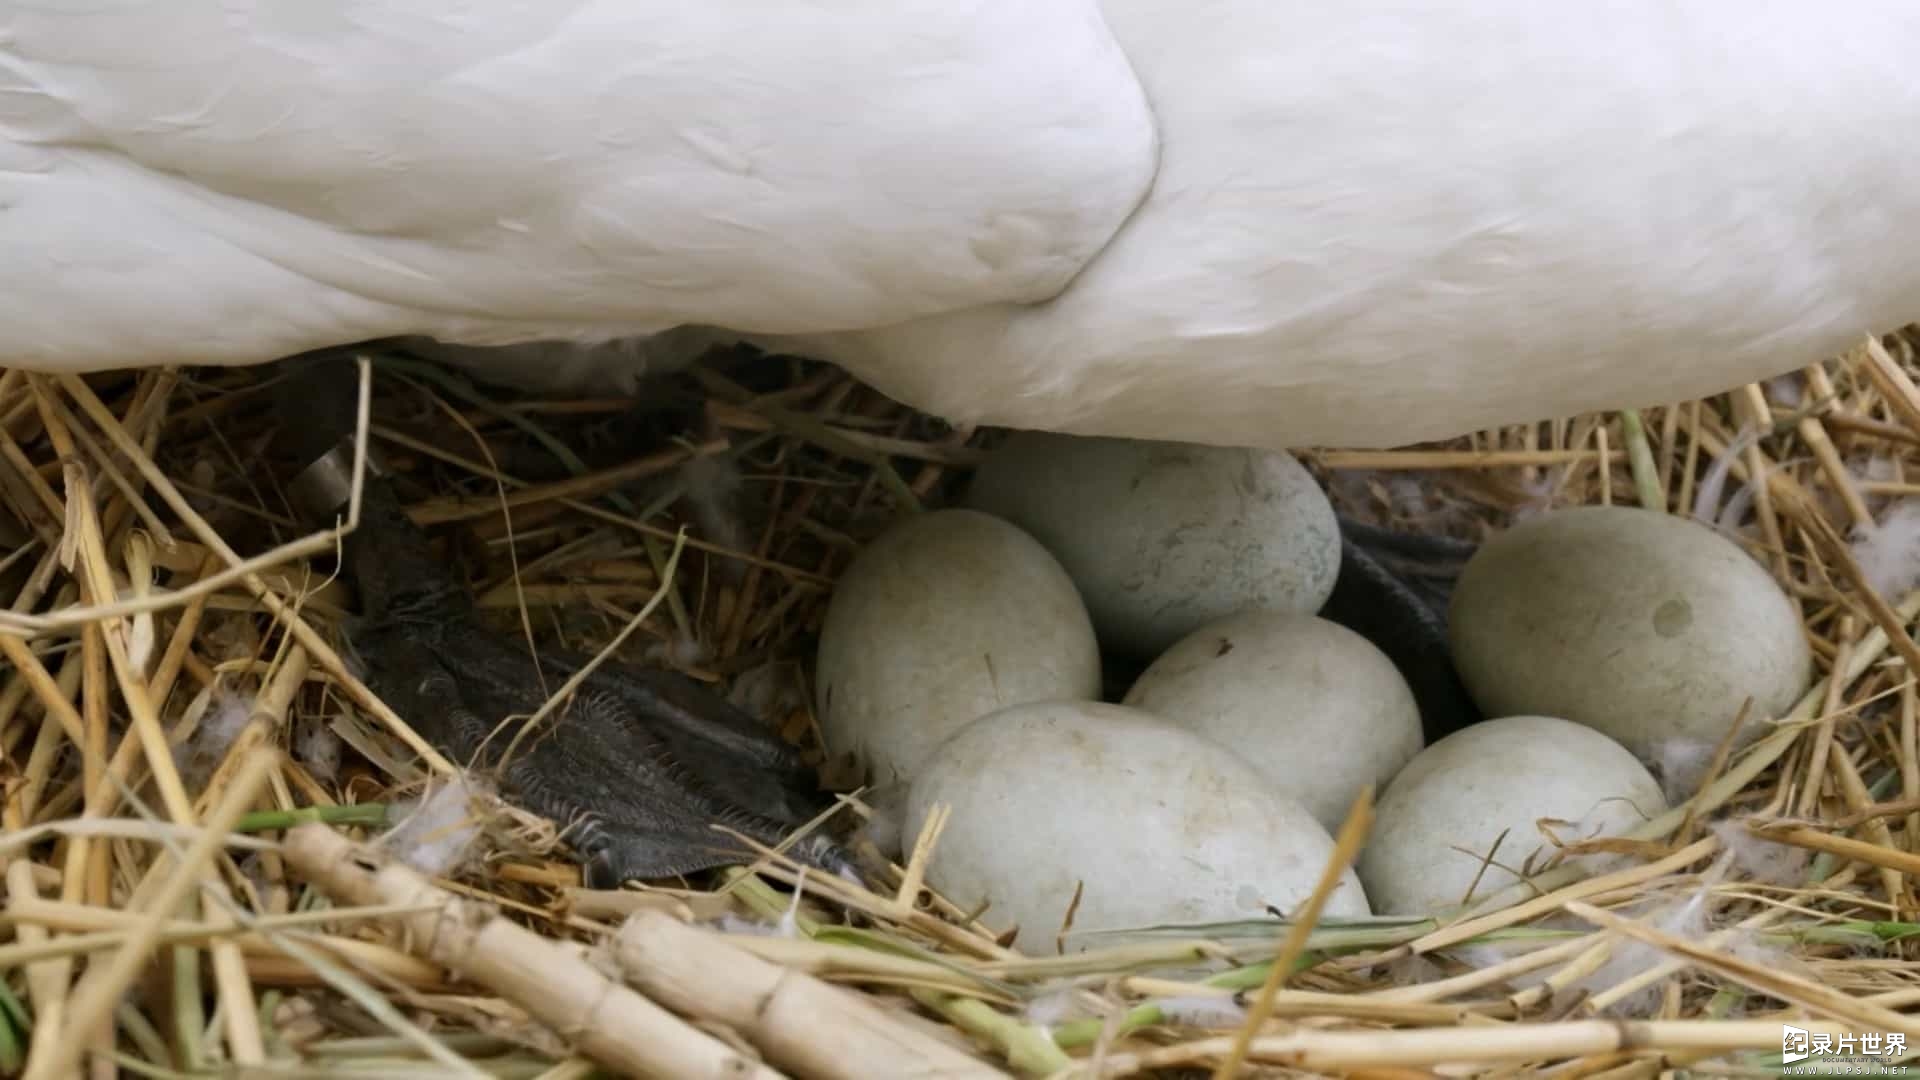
(223, 851)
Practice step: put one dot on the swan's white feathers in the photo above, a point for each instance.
(1363, 224)
(505, 169)
(1400, 221)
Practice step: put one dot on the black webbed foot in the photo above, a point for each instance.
(638, 766)
(1393, 589)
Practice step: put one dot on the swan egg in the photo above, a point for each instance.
(1466, 812)
(1148, 823)
(1163, 538)
(943, 618)
(1647, 627)
(1313, 705)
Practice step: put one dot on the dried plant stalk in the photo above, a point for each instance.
(816, 458)
(782, 1011)
(553, 983)
(1477, 1046)
(1859, 1015)
(102, 987)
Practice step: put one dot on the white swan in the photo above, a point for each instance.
(1230, 221)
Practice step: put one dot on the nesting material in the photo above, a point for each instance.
(1313, 705)
(1163, 538)
(1757, 859)
(437, 835)
(223, 715)
(714, 492)
(1463, 820)
(1640, 625)
(1682, 765)
(1109, 818)
(1888, 550)
(782, 1012)
(318, 748)
(552, 983)
(1811, 926)
(1685, 917)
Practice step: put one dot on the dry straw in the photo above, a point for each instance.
(170, 916)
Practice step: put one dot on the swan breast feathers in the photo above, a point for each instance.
(605, 165)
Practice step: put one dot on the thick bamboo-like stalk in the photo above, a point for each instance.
(782, 1011)
(553, 983)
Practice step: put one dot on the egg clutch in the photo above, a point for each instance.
(960, 664)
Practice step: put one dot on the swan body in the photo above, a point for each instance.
(228, 181)
(1390, 222)
(1221, 221)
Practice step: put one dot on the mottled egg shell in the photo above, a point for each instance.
(944, 618)
(1442, 815)
(1310, 703)
(1163, 538)
(1644, 626)
(1160, 824)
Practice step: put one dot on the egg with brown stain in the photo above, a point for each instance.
(1647, 627)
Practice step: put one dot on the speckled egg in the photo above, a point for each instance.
(1447, 810)
(944, 618)
(1163, 538)
(1644, 626)
(1313, 705)
(1157, 824)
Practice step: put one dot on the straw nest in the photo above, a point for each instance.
(215, 856)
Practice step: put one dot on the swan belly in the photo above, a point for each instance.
(231, 180)
(1396, 222)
